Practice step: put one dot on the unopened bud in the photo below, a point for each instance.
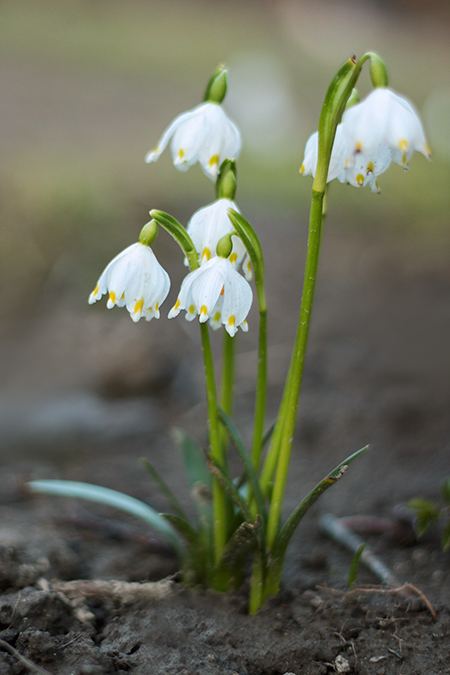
(148, 233)
(226, 180)
(353, 100)
(378, 71)
(225, 246)
(217, 86)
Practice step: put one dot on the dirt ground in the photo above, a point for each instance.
(377, 372)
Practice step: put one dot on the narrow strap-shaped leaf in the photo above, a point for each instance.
(354, 566)
(284, 536)
(194, 459)
(239, 546)
(231, 489)
(245, 457)
(102, 495)
(251, 242)
(183, 527)
(179, 233)
(165, 489)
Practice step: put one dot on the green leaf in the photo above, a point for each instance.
(284, 536)
(183, 527)
(446, 537)
(102, 495)
(246, 460)
(194, 459)
(231, 489)
(179, 233)
(199, 479)
(445, 490)
(427, 512)
(231, 566)
(165, 489)
(354, 566)
(251, 242)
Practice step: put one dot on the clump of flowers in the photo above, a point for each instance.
(240, 518)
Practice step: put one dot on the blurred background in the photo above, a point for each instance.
(88, 86)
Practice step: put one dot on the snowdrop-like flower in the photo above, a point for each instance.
(204, 134)
(338, 155)
(208, 225)
(215, 291)
(362, 169)
(386, 118)
(134, 279)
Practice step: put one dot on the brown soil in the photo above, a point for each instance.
(377, 372)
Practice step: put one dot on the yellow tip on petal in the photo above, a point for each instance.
(404, 163)
(370, 168)
(231, 320)
(302, 169)
(181, 153)
(360, 179)
(157, 307)
(216, 317)
(192, 309)
(203, 310)
(177, 304)
(206, 253)
(138, 306)
(214, 160)
(358, 147)
(233, 257)
(428, 152)
(403, 145)
(112, 297)
(95, 291)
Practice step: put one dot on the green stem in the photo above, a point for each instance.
(219, 495)
(227, 381)
(261, 390)
(297, 362)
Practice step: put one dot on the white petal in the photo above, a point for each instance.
(155, 154)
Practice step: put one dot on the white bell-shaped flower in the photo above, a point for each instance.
(208, 225)
(204, 134)
(134, 279)
(338, 155)
(386, 118)
(215, 291)
(363, 169)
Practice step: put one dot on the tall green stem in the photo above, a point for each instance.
(227, 380)
(219, 496)
(261, 389)
(297, 362)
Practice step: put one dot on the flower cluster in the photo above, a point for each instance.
(216, 292)
(383, 128)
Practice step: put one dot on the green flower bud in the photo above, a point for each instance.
(148, 233)
(225, 246)
(217, 86)
(226, 180)
(353, 100)
(378, 71)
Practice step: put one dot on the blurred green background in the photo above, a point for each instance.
(87, 87)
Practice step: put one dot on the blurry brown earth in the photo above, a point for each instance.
(103, 392)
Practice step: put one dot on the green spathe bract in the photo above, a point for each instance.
(238, 518)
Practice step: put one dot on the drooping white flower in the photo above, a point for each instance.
(204, 134)
(338, 155)
(208, 225)
(134, 279)
(362, 169)
(386, 118)
(215, 291)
